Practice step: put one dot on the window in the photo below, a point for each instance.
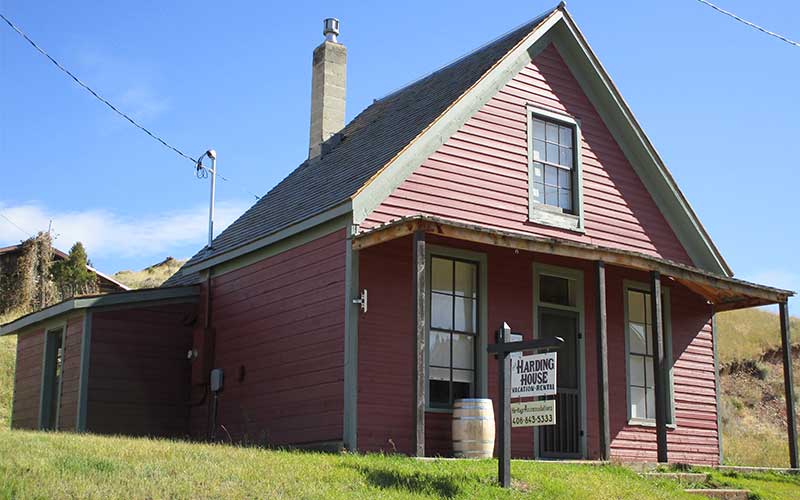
(639, 328)
(453, 332)
(554, 177)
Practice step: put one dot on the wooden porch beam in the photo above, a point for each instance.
(660, 369)
(601, 331)
(788, 384)
(420, 338)
(724, 289)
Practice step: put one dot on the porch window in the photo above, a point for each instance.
(554, 169)
(639, 328)
(454, 327)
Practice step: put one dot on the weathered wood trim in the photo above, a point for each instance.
(717, 386)
(83, 381)
(659, 365)
(420, 339)
(351, 317)
(726, 293)
(788, 384)
(45, 390)
(601, 332)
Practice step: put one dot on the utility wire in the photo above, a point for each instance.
(748, 23)
(15, 224)
(107, 103)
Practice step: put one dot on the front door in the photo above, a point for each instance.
(563, 439)
(558, 308)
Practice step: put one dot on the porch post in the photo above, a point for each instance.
(788, 383)
(659, 365)
(601, 330)
(420, 337)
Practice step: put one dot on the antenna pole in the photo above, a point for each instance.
(213, 155)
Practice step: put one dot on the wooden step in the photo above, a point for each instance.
(729, 494)
(681, 477)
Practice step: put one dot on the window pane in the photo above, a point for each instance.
(651, 403)
(538, 172)
(555, 290)
(466, 278)
(552, 153)
(565, 157)
(565, 199)
(636, 306)
(551, 195)
(538, 129)
(439, 349)
(564, 178)
(441, 311)
(649, 338)
(461, 390)
(649, 372)
(636, 374)
(465, 315)
(441, 275)
(552, 132)
(439, 373)
(638, 403)
(538, 150)
(537, 192)
(439, 393)
(565, 136)
(463, 356)
(636, 336)
(550, 175)
(463, 376)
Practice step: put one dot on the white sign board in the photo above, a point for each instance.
(533, 375)
(533, 413)
(515, 337)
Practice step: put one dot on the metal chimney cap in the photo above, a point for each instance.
(331, 30)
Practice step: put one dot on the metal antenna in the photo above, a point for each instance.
(203, 171)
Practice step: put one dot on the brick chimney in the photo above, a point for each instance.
(328, 83)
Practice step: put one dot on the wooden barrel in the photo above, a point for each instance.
(473, 428)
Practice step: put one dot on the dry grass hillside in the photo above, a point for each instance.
(150, 277)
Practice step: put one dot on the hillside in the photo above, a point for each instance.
(150, 277)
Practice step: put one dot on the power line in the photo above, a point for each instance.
(15, 224)
(748, 23)
(107, 103)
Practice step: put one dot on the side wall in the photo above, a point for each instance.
(279, 329)
(71, 374)
(138, 373)
(386, 356)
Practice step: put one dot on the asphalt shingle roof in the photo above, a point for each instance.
(363, 147)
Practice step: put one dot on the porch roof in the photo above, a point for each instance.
(723, 292)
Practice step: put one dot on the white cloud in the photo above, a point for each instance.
(105, 233)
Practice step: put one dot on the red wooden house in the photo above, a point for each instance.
(355, 301)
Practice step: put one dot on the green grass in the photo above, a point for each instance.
(748, 333)
(150, 277)
(762, 485)
(47, 465)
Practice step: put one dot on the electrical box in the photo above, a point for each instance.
(216, 379)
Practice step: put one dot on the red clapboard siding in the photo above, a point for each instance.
(280, 325)
(480, 175)
(386, 356)
(139, 375)
(28, 380)
(70, 377)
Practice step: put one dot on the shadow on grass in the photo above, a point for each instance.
(410, 481)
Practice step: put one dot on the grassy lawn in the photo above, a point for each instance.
(48, 465)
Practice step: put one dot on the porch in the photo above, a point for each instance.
(643, 381)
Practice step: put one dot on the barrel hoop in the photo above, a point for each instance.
(467, 417)
(485, 441)
(471, 408)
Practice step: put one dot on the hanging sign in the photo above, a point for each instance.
(533, 413)
(533, 375)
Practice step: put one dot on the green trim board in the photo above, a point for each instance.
(665, 293)
(543, 214)
(577, 275)
(717, 386)
(46, 389)
(83, 381)
(482, 357)
(351, 318)
(184, 294)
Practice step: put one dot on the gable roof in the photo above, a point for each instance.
(374, 153)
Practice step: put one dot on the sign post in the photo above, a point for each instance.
(502, 350)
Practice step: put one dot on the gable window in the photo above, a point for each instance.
(453, 330)
(639, 359)
(554, 177)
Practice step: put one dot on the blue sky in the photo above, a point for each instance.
(718, 99)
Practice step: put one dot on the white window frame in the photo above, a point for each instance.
(541, 213)
(667, 313)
